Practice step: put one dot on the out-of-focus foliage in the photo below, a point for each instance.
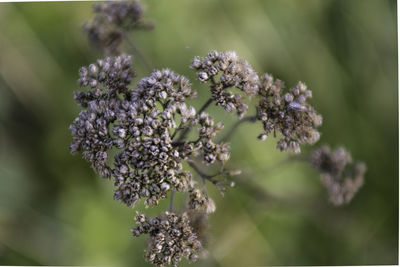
(55, 211)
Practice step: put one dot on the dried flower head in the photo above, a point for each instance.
(207, 131)
(112, 21)
(139, 137)
(199, 200)
(287, 113)
(107, 79)
(137, 127)
(171, 238)
(233, 73)
(339, 174)
(154, 162)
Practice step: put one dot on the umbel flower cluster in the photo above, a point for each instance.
(339, 174)
(233, 73)
(137, 126)
(112, 22)
(171, 238)
(288, 113)
(138, 138)
(137, 135)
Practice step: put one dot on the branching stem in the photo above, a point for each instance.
(187, 129)
(203, 175)
(236, 125)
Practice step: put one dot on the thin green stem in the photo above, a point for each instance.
(203, 175)
(171, 201)
(146, 63)
(236, 125)
(187, 129)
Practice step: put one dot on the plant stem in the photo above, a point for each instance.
(171, 201)
(146, 64)
(237, 124)
(187, 129)
(252, 189)
(204, 175)
(209, 101)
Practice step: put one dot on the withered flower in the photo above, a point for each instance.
(233, 73)
(112, 21)
(339, 174)
(288, 114)
(171, 238)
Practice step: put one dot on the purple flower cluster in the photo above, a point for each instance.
(339, 174)
(128, 134)
(233, 73)
(138, 137)
(288, 114)
(171, 238)
(112, 22)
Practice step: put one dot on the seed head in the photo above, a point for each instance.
(200, 201)
(171, 238)
(137, 125)
(288, 114)
(234, 73)
(113, 20)
(339, 174)
(106, 78)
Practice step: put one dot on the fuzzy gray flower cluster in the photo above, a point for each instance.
(137, 126)
(199, 200)
(211, 151)
(139, 137)
(288, 114)
(153, 164)
(339, 174)
(142, 123)
(107, 79)
(171, 238)
(112, 21)
(233, 73)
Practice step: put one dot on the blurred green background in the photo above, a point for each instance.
(55, 211)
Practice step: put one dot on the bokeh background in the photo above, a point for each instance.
(55, 211)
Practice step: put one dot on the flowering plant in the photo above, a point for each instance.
(138, 136)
